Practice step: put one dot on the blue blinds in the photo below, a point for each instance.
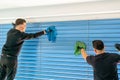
(42, 60)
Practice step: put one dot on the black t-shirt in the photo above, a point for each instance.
(104, 65)
(15, 39)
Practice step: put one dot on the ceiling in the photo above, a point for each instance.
(5, 4)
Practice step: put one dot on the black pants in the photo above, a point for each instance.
(8, 67)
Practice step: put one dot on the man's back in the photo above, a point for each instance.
(105, 66)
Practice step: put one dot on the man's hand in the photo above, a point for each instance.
(50, 29)
(117, 46)
(84, 54)
(45, 32)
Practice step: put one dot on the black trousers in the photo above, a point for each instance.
(8, 67)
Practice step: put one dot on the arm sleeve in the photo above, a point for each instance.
(116, 57)
(26, 36)
(90, 60)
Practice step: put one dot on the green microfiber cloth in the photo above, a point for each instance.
(78, 46)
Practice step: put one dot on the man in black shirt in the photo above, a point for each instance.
(104, 64)
(12, 47)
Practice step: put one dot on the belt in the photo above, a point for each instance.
(6, 55)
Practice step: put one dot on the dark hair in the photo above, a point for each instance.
(18, 22)
(98, 44)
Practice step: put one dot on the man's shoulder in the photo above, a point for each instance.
(112, 54)
(13, 31)
(90, 59)
(90, 56)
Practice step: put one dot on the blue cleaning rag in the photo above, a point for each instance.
(51, 33)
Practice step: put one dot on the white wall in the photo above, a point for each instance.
(77, 11)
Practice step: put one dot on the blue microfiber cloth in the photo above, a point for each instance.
(51, 33)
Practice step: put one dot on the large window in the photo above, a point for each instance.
(42, 60)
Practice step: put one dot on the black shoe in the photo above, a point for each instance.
(117, 46)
